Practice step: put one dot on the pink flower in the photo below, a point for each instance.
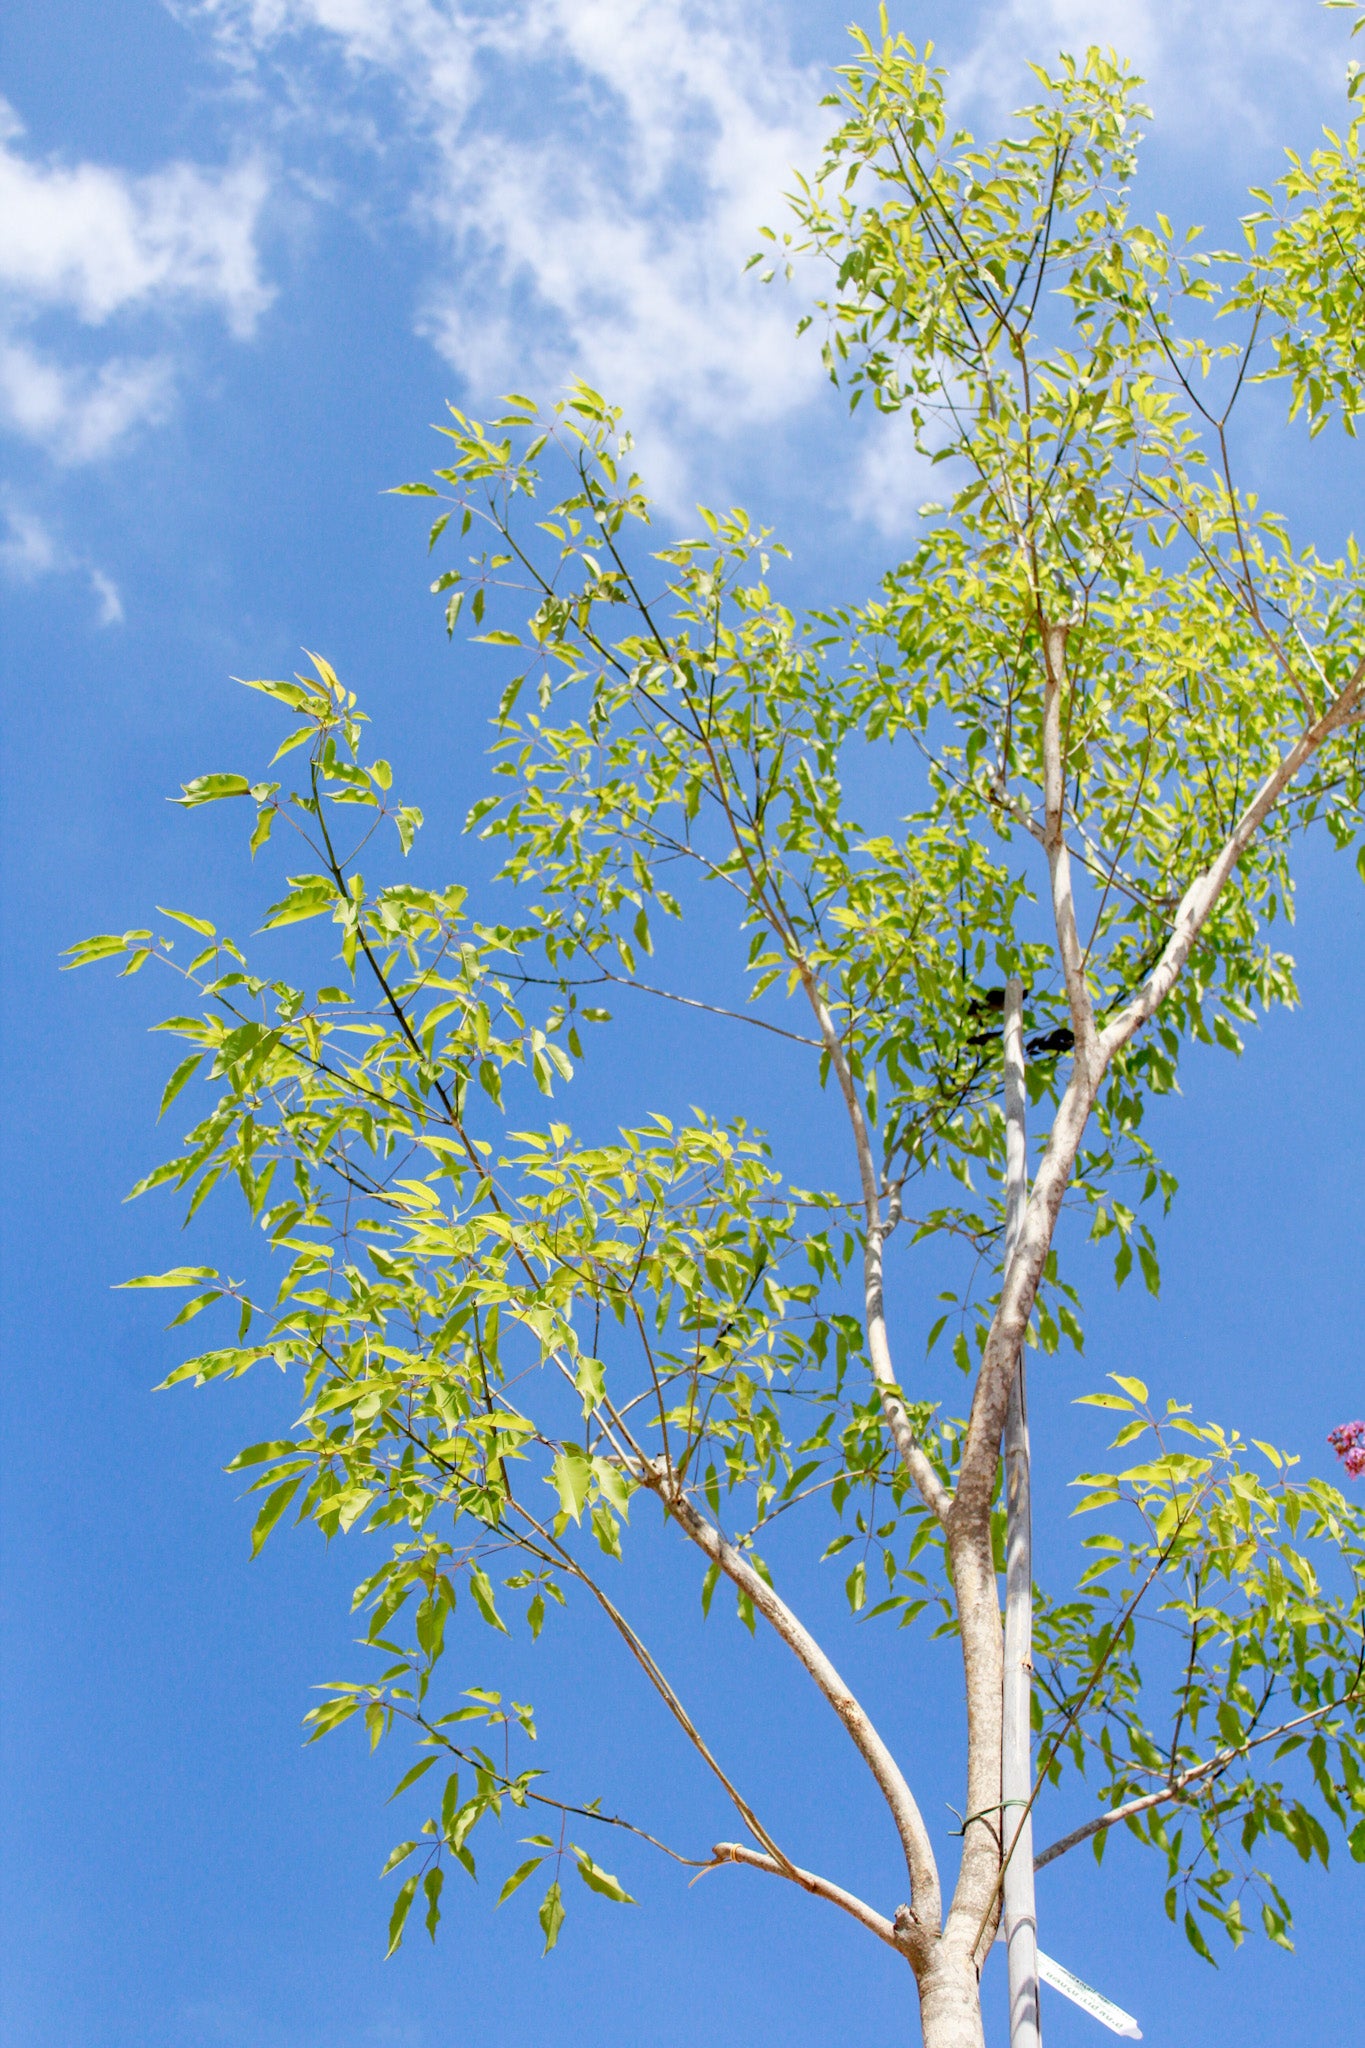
(1348, 1441)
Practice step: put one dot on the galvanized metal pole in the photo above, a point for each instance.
(1016, 1759)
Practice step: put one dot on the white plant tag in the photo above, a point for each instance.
(1086, 1997)
(1089, 2000)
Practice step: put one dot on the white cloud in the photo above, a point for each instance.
(595, 172)
(107, 592)
(1217, 71)
(892, 479)
(80, 414)
(29, 549)
(95, 241)
(92, 242)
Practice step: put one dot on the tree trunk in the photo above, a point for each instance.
(950, 2004)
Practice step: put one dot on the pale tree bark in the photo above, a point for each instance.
(924, 1918)
(973, 1912)
(968, 1523)
(946, 1952)
(908, 1446)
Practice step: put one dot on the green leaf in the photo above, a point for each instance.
(193, 1307)
(571, 1473)
(326, 1718)
(481, 1586)
(1195, 1937)
(419, 1770)
(294, 739)
(296, 695)
(102, 947)
(312, 901)
(412, 491)
(402, 1906)
(261, 1454)
(551, 1916)
(275, 1505)
(518, 1878)
(599, 1880)
(397, 1856)
(431, 1885)
(178, 1080)
(607, 1529)
(209, 789)
(179, 1276)
(195, 924)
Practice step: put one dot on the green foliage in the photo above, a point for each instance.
(1248, 1595)
(505, 1334)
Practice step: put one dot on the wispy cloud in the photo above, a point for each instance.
(1219, 72)
(92, 242)
(96, 240)
(892, 479)
(107, 596)
(29, 550)
(80, 413)
(591, 174)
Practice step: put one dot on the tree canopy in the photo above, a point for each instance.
(1114, 693)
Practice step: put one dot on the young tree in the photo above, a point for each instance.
(1116, 695)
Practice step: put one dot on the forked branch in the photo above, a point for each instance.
(914, 1836)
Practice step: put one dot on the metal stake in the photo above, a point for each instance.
(1016, 1760)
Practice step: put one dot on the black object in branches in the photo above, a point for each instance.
(1050, 1042)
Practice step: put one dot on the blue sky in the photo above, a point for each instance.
(246, 252)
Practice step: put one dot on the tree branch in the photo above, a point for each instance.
(911, 1452)
(1199, 899)
(1177, 1785)
(968, 1526)
(926, 1904)
(818, 1887)
(566, 1560)
(1058, 853)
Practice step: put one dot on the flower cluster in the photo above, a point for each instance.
(1349, 1444)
